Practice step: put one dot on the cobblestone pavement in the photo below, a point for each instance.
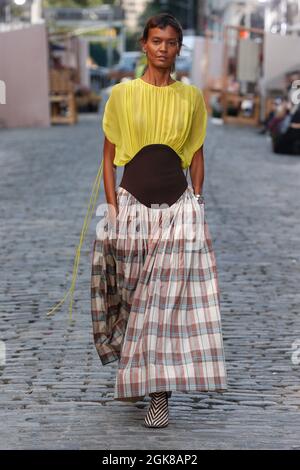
(55, 394)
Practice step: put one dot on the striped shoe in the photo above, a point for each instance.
(158, 413)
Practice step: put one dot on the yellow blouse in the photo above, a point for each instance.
(138, 113)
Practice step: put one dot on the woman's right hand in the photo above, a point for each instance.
(112, 213)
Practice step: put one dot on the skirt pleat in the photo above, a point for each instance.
(155, 299)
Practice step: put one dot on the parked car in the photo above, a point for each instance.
(87, 100)
(125, 67)
(99, 78)
(183, 66)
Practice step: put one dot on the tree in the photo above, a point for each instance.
(72, 3)
(178, 8)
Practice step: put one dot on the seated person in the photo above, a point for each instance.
(286, 135)
(277, 102)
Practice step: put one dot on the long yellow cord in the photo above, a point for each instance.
(91, 206)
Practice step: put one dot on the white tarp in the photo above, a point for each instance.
(248, 60)
(281, 55)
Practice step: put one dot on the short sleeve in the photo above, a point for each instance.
(110, 122)
(197, 131)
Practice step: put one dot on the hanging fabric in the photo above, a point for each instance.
(90, 211)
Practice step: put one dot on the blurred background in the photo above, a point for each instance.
(60, 58)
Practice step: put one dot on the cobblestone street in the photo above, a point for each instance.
(55, 394)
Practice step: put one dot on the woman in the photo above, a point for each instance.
(286, 133)
(154, 295)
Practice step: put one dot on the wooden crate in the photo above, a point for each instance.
(62, 97)
(234, 99)
(208, 93)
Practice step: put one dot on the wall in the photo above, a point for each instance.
(24, 69)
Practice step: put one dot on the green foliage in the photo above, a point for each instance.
(132, 43)
(72, 3)
(177, 8)
(99, 55)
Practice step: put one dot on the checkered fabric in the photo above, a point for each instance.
(155, 299)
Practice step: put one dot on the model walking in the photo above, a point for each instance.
(155, 295)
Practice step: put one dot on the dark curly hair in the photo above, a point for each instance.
(162, 20)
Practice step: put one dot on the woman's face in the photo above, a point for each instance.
(161, 47)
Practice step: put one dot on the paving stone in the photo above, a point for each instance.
(55, 394)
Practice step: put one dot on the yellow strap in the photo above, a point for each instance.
(93, 200)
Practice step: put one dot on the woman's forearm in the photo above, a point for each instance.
(197, 171)
(109, 174)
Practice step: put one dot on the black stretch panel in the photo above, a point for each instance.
(154, 175)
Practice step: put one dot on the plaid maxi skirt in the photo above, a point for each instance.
(155, 299)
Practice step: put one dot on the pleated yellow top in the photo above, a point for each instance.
(138, 113)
